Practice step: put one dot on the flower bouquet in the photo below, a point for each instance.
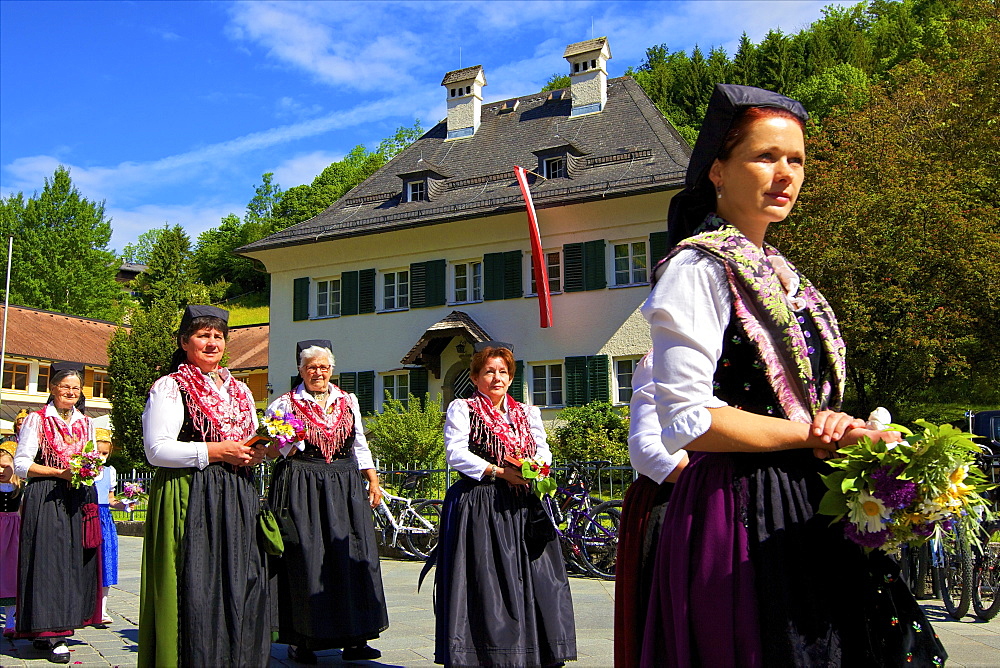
(132, 493)
(282, 428)
(536, 472)
(86, 465)
(891, 494)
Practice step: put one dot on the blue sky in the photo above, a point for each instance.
(171, 111)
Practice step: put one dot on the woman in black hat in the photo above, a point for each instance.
(748, 366)
(204, 579)
(329, 579)
(58, 585)
(502, 596)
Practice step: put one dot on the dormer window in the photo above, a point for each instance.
(554, 168)
(416, 191)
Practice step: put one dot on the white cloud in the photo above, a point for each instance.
(128, 224)
(302, 169)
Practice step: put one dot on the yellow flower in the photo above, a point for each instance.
(958, 475)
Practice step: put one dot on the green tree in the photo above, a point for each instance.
(171, 273)
(139, 252)
(594, 431)
(137, 357)
(410, 434)
(557, 82)
(61, 261)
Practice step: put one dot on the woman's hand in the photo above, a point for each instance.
(374, 489)
(230, 452)
(830, 427)
(66, 474)
(854, 435)
(511, 475)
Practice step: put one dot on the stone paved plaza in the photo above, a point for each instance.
(410, 638)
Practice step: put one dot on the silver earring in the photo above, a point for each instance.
(718, 192)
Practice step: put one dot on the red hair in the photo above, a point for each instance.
(747, 117)
(479, 359)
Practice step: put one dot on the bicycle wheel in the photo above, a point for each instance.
(420, 537)
(599, 539)
(986, 583)
(955, 582)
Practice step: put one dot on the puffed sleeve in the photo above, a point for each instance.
(27, 444)
(456, 442)
(362, 453)
(645, 447)
(688, 312)
(542, 450)
(161, 423)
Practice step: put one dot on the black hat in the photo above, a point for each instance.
(689, 207)
(483, 345)
(66, 366)
(308, 343)
(202, 311)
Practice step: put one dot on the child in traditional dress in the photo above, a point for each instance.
(105, 484)
(10, 529)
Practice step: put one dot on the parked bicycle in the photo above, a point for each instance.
(587, 527)
(409, 525)
(986, 569)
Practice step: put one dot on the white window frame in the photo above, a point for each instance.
(618, 387)
(416, 190)
(530, 280)
(559, 162)
(631, 262)
(329, 309)
(394, 387)
(400, 300)
(471, 296)
(547, 391)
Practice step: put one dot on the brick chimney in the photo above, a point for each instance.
(465, 100)
(588, 71)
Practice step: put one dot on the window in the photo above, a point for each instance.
(547, 384)
(396, 290)
(468, 282)
(554, 168)
(624, 368)
(327, 297)
(630, 263)
(396, 386)
(43, 378)
(15, 376)
(102, 385)
(553, 262)
(587, 379)
(416, 191)
(503, 275)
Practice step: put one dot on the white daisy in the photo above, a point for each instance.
(868, 513)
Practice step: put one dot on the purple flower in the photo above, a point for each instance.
(923, 529)
(863, 538)
(892, 491)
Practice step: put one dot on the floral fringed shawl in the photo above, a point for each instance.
(500, 438)
(60, 441)
(217, 418)
(327, 429)
(759, 302)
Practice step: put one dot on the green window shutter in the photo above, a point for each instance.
(512, 275)
(366, 291)
(366, 392)
(657, 250)
(598, 388)
(517, 383)
(594, 265)
(418, 285)
(493, 276)
(349, 293)
(349, 382)
(300, 299)
(418, 384)
(573, 267)
(435, 282)
(576, 381)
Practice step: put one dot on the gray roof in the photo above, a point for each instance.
(462, 75)
(595, 44)
(626, 149)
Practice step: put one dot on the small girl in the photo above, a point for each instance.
(10, 530)
(105, 484)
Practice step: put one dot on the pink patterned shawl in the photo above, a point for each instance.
(500, 438)
(217, 418)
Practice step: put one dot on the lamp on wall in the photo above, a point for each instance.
(460, 347)
(270, 389)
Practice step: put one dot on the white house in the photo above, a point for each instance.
(432, 253)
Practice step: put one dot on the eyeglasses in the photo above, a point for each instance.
(322, 368)
(68, 388)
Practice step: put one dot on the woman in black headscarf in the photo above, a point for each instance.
(204, 586)
(748, 373)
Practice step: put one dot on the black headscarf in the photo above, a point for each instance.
(195, 316)
(689, 207)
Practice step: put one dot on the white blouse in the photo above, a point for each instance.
(162, 421)
(28, 442)
(362, 453)
(456, 439)
(645, 449)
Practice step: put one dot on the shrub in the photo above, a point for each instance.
(411, 434)
(593, 431)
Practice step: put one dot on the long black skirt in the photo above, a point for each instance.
(502, 596)
(58, 579)
(224, 616)
(329, 581)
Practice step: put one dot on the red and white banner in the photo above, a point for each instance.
(541, 272)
